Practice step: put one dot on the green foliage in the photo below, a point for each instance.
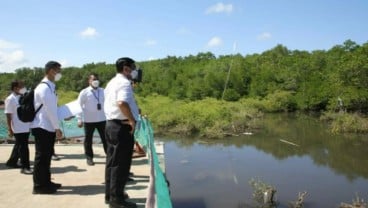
(231, 95)
(66, 96)
(208, 117)
(5, 80)
(277, 80)
(280, 101)
(346, 123)
(253, 102)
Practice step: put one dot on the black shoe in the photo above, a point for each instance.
(131, 174)
(44, 190)
(55, 157)
(26, 171)
(90, 162)
(107, 199)
(130, 179)
(122, 204)
(55, 185)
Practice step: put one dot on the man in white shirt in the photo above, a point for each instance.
(45, 128)
(17, 128)
(121, 113)
(91, 100)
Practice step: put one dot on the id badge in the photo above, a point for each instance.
(98, 106)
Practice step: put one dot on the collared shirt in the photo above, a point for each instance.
(11, 105)
(89, 99)
(47, 117)
(118, 89)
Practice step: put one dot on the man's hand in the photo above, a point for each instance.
(132, 125)
(80, 124)
(59, 134)
(10, 133)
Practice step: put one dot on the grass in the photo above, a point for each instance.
(346, 123)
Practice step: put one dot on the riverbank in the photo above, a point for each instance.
(342, 122)
(212, 118)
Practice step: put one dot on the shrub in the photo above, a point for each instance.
(346, 123)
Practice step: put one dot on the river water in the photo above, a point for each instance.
(291, 152)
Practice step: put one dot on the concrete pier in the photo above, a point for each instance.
(82, 185)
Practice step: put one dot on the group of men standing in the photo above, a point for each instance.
(113, 112)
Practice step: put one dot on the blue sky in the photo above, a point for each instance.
(77, 32)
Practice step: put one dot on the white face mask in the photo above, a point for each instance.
(134, 74)
(57, 77)
(22, 91)
(95, 83)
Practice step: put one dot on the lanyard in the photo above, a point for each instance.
(98, 95)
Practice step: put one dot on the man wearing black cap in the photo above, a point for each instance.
(121, 113)
(45, 128)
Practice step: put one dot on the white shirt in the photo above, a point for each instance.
(118, 89)
(88, 99)
(11, 105)
(47, 117)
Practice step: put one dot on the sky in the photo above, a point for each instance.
(78, 32)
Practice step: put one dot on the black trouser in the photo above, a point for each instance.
(118, 160)
(89, 128)
(44, 143)
(20, 150)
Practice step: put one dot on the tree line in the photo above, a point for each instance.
(318, 80)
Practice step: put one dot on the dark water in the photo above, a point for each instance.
(331, 168)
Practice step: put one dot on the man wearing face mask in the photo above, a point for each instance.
(91, 100)
(18, 129)
(121, 113)
(45, 128)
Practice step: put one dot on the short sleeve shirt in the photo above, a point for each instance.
(119, 89)
(11, 105)
(89, 98)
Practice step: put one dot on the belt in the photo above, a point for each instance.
(124, 122)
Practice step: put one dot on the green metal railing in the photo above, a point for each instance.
(158, 194)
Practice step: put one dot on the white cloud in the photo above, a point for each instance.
(219, 8)
(151, 42)
(11, 56)
(214, 42)
(8, 45)
(89, 32)
(264, 36)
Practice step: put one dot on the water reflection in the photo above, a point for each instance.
(332, 168)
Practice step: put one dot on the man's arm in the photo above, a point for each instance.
(125, 109)
(81, 101)
(50, 104)
(8, 121)
(9, 110)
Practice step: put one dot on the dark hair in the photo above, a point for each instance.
(125, 61)
(93, 74)
(52, 65)
(14, 84)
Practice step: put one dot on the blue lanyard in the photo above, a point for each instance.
(98, 95)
